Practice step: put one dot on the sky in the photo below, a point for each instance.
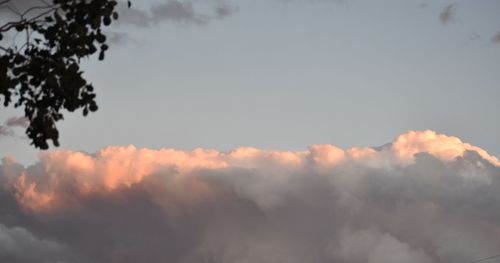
(360, 131)
(284, 74)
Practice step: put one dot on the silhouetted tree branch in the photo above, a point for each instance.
(41, 72)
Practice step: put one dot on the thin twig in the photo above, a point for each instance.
(34, 8)
(13, 24)
(484, 259)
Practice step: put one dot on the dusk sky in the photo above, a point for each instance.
(269, 131)
(285, 74)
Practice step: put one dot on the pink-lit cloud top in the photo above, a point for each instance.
(425, 197)
(122, 166)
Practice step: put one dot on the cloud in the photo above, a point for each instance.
(117, 38)
(22, 122)
(186, 12)
(474, 37)
(6, 130)
(425, 197)
(176, 11)
(19, 245)
(448, 15)
(423, 5)
(370, 245)
(496, 38)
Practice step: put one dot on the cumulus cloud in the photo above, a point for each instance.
(177, 11)
(425, 197)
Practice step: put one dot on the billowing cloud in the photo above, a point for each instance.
(424, 198)
(448, 15)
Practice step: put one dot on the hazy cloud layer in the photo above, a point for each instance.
(424, 198)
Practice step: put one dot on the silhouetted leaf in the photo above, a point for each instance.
(44, 75)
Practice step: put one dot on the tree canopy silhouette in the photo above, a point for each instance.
(41, 45)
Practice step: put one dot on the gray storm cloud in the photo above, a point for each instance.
(424, 198)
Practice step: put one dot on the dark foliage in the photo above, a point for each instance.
(42, 72)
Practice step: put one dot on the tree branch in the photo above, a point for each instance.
(35, 8)
(8, 26)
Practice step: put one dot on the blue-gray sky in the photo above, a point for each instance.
(273, 74)
(285, 74)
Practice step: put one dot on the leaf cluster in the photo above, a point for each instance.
(42, 73)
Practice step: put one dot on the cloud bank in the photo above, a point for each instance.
(424, 198)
